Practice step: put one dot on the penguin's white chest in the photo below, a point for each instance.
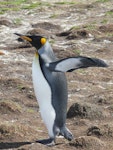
(43, 95)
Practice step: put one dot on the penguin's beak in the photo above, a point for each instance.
(24, 37)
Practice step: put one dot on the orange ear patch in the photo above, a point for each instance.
(43, 41)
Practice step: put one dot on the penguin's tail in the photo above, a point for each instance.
(66, 133)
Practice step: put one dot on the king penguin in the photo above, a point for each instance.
(50, 85)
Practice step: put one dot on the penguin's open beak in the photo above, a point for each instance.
(24, 37)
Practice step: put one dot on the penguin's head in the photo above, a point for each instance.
(34, 40)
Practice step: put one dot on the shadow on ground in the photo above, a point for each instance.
(7, 145)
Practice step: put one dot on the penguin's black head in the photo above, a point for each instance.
(36, 41)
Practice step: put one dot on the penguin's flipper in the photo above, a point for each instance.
(73, 63)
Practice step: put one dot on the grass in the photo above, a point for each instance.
(77, 52)
(82, 71)
(90, 27)
(65, 3)
(7, 106)
(51, 41)
(29, 110)
(15, 2)
(109, 13)
(103, 1)
(32, 5)
(17, 21)
(53, 16)
(109, 34)
(104, 21)
(10, 5)
(21, 87)
(16, 5)
(75, 27)
(9, 129)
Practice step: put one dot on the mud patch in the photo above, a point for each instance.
(85, 111)
(74, 34)
(6, 22)
(106, 28)
(88, 143)
(105, 131)
(47, 26)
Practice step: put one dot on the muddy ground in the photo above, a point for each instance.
(73, 28)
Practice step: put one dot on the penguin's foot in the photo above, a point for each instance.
(48, 142)
(67, 134)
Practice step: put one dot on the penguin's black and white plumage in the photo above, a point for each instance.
(50, 85)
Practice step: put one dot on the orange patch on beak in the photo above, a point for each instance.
(26, 38)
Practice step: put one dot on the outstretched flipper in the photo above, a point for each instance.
(73, 63)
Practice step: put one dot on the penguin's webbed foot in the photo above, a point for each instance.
(48, 142)
(67, 134)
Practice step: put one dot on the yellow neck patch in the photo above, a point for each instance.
(36, 54)
(43, 41)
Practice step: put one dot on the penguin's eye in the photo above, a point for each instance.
(43, 41)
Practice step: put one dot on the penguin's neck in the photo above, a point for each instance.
(46, 53)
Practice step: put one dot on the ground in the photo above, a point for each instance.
(73, 28)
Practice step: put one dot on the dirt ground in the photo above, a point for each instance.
(73, 28)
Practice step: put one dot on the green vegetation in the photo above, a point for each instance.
(90, 27)
(13, 5)
(29, 110)
(75, 27)
(16, 5)
(104, 21)
(7, 106)
(51, 41)
(21, 87)
(77, 51)
(109, 34)
(53, 16)
(65, 3)
(110, 13)
(32, 5)
(12, 2)
(17, 21)
(103, 1)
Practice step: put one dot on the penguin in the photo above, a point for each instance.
(50, 85)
